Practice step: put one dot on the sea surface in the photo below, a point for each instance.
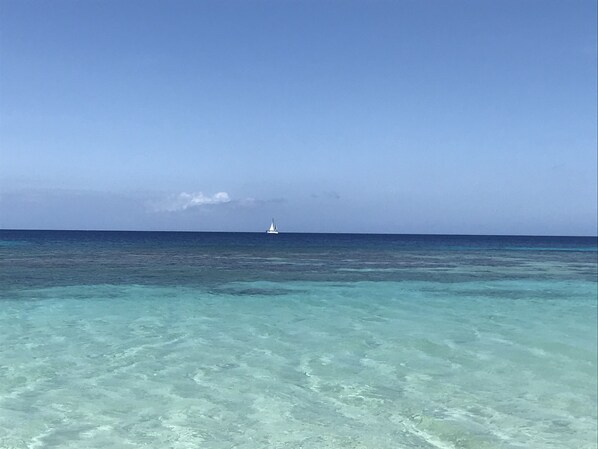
(242, 340)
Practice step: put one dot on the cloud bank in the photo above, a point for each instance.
(184, 201)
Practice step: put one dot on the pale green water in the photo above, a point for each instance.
(451, 362)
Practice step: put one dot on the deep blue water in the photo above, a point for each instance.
(47, 258)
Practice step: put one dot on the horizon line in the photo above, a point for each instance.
(298, 232)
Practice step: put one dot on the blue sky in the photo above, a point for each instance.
(474, 117)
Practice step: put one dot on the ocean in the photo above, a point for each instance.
(244, 340)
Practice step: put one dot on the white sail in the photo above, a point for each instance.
(272, 229)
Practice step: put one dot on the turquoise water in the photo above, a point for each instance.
(197, 340)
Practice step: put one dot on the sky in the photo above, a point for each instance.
(444, 117)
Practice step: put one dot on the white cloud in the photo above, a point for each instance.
(184, 201)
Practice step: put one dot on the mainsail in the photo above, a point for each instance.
(272, 229)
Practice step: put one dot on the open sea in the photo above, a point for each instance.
(313, 341)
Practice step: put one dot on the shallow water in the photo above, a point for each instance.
(297, 341)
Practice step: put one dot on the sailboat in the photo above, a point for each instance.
(272, 229)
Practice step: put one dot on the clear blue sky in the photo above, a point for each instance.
(331, 116)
